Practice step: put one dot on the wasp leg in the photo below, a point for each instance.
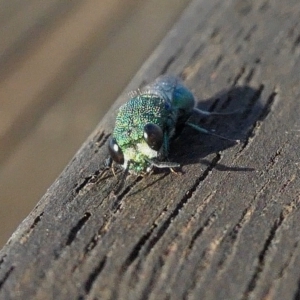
(165, 147)
(107, 166)
(207, 113)
(164, 164)
(176, 172)
(108, 162)
(117, 189)
(200, 129)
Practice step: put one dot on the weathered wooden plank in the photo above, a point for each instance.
(228, 227)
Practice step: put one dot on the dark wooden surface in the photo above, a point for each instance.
(228, 228)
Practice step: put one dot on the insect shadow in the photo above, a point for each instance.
(190, 147)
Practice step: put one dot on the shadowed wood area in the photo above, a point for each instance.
(228, 227)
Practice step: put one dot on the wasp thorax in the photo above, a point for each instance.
(115, 151)
(153, 136)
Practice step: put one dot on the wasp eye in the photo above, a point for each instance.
(153, 135)
(115, 151)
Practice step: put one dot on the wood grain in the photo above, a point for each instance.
(225, 229)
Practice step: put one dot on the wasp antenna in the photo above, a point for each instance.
(202, 130)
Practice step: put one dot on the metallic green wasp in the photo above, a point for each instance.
(146, 123)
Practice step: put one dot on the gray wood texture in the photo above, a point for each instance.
(228, 227)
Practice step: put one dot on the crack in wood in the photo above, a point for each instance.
(203, 258)
(290, 207)
(194, 55)
(215, 33)
(117, 199)
(238, 76)
(219, 60)
(238, 49)
(2, 259)
(84, 182)
(267, 108)
(263, 255)
(274, 159)
(94, 240)
(93, 277)
(92, 244)
(232, 239)
(287, 183)
(227, 101)
(169, 62)
(204, 262)
(250, 75)
(209, 221)
(137, 248)
(249, 34)
(293, 34)
(288, 262)
(74, 231)
(6, 276)
(114, 208)
(252, 102)
(296, 43)
(27, 234)
(164, 260)
(264, 6)
(87, 181)
(195, 216)
(286, 211)
(151, 280)
(171, 249)
(146, 241)
(181, 204)
(214, 105)
(297, 293)
(101, 140)
(264, 113)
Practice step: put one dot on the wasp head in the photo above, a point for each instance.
(139, 133)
